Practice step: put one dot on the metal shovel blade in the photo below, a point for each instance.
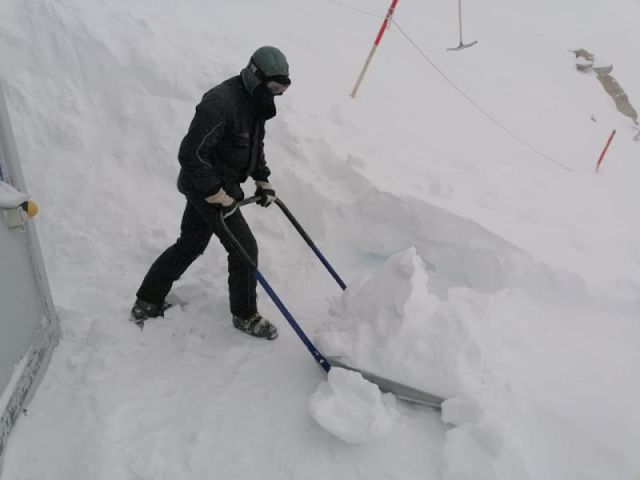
(401, 391)
(462, 46)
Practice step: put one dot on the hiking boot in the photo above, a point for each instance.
(142, 311)
(256, 325)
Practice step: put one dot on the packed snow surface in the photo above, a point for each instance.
(491, 266)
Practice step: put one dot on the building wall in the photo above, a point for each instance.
(29, 328)
(20, 309)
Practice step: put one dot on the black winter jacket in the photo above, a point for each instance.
(224, 145)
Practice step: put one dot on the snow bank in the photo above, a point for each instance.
(459, 252)
(485, 354)
(352, 408)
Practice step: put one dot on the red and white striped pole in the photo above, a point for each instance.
(385, 23)
(604, 152)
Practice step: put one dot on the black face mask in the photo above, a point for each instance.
(263, 101)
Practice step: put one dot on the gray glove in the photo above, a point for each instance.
(223, 202)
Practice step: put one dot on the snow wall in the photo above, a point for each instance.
(29, 328)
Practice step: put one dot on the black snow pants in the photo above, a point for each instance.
(199, 222)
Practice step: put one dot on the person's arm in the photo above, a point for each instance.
(261, 172)
(205, 131)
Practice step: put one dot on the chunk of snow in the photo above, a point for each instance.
(352, 408)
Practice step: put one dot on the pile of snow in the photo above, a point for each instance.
(484, 353)
(389, 323)
(352, 408)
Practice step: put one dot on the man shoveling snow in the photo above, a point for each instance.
(222, 149)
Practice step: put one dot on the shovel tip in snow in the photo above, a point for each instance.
(401, 391)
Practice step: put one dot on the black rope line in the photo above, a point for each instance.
(478, 107)
(354, 9)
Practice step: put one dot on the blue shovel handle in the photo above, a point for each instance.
(315, 353)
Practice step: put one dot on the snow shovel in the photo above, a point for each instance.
(404, 392)
(461, 46)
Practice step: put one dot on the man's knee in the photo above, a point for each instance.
(193, 245)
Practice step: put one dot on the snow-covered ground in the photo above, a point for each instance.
(478, 268)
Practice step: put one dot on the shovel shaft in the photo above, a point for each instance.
(402, 391)
(311, 244)
(303, 234)
(315, 353)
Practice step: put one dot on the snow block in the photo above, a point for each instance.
(351, 408)
(29, 328)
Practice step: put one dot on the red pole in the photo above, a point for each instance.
(604, 152)
(385, 23)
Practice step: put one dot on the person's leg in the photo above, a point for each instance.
(195, 234)
(242, 278)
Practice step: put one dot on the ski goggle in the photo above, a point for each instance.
(276, 84)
